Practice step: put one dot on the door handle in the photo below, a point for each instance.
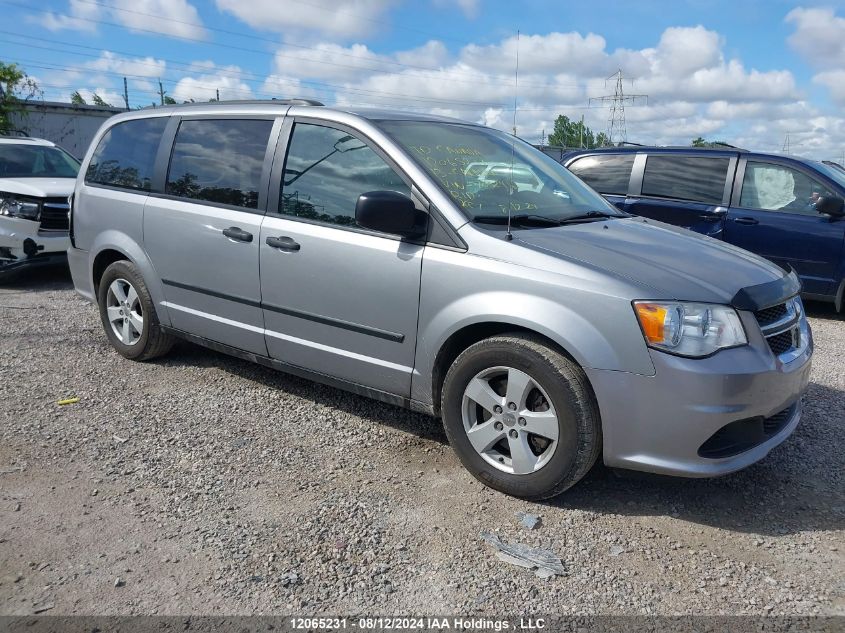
(283, 243)
(746, 221)
(238, 234)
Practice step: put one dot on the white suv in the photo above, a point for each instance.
(36, 178)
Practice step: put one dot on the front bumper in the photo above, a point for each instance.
(658, 423)
(21, 240)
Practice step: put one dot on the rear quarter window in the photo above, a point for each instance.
(125, 156)
(605, 174)
(694, 178)
(219, 160)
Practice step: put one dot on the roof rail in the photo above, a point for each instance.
(305, 102)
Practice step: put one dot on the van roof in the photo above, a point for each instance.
(25, 140)
(262, 105)
(655, 149)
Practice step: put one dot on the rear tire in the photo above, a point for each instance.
(128, 314)
(531, 414)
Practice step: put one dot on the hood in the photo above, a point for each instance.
(38, 187)
(676, 263)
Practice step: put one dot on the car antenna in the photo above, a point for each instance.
(509, 235)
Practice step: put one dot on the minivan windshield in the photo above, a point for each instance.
(834, 173)
(487, 172)
(36, 161)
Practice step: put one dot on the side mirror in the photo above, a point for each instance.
(831, 205)
(390, 212)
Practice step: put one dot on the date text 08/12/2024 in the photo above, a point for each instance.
(417, 623)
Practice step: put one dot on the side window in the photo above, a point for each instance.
(219, 160)
(700, 179)
(777, 188)
(126, 154)
(605, 174)
(325, 172)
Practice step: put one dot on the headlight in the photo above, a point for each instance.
(689, 329)
(13, 207)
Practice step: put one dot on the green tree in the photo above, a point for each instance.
(16, 87)
(701, 142)
(568, 133)
(77, 99)
(98, 100)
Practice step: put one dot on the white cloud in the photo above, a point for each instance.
(834, 80)
(174, 17)
(138, 66)
(76, 19)
(205, 86)
(350, 18)
(554, 52)
(283, 87)
(819, 36)
(168, 17)
(695, 86)
(328, 61)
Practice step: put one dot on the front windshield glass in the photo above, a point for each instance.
(487, 172)
(834, 173)
(18, 160)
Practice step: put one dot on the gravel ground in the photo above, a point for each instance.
(204, 484)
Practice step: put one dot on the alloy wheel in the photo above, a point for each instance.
(510, 420)
(125, 313)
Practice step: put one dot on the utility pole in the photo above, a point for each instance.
(616, 128)
(581, 130)
(786, 144)
(161, 91)
(125, 93)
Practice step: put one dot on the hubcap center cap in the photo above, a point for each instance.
(509, 419)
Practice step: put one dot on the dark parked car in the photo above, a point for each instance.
(787, 209)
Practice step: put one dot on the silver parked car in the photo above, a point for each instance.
(544, 326)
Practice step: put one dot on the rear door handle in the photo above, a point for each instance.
(283, 243)
(238, 234)
(746, 221)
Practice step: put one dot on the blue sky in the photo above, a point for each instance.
(749, 72)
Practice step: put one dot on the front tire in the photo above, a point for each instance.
(128, 314)
(521, 416)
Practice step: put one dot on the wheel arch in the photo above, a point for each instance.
(471, 334)
(112, 246)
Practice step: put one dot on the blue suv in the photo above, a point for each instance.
(787, 209)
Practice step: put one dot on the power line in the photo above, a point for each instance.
(440, 76)
(242, 75)
(616, 128)
(332, 9)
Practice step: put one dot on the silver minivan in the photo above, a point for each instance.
(544, 326)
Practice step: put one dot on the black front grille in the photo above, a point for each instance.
(772, 322)
(742, 435)
(781, 343)
(770, 315)
(54, 215)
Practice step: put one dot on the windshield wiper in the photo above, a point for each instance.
(589, 216)
(520, 219)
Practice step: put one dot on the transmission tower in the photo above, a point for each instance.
(616, 130)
